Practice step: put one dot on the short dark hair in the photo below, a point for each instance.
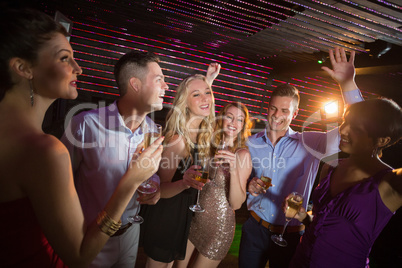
(132, 64)
(22, 34)
(287, 90)
(380, 118)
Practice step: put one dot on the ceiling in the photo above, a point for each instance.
(288, 35)
(282, 31)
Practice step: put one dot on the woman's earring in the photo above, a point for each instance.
(31, 92)
(374, 153)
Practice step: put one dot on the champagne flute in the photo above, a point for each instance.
(267, 183)
(295, 201)
(151, 133)
(223, 147)
(203, 178)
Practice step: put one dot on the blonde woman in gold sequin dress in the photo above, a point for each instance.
(212, 231)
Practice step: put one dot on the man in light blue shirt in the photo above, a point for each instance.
(102, 143)
(291, 159)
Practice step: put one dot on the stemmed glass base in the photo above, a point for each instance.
(278, 239)
(147, 187)
(294, 203)
(136, 219)
(196, 208)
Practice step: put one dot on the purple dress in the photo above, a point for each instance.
(344, 227)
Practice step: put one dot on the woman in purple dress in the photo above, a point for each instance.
(355, 200)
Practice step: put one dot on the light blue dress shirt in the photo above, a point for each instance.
(101, 148)
(292, 164)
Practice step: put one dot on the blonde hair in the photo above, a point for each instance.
(178, 117)
(242, 136)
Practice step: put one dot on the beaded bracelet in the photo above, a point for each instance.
(106, 224)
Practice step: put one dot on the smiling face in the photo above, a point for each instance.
(199, 98)
(354, 138)
(55, 72)
(233, 122)
(153, 87)
(281, 112)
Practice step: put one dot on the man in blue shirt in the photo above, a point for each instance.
(291, 159)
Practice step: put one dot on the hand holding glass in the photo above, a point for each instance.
(201, 178)
(151, 133)
(295, 201)
(267, 183)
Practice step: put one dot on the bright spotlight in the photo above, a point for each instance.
(331, 109)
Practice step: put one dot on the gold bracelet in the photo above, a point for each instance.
(106, 224)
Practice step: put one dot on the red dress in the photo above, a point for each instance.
(22, 242)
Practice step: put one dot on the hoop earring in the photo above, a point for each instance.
(374, 153)
(31, 92)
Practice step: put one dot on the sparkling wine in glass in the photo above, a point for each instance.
(137, 219)
(294, 203)
(223, 147)
(151, 134)
(267, 183)
(202, 178)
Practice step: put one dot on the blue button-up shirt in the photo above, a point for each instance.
(292, 164)
(101, 148)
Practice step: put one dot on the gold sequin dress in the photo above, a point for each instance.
(212, 231)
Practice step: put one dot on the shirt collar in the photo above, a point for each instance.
(114, 118)
(290, 133)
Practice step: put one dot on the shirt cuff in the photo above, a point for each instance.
(353, 96)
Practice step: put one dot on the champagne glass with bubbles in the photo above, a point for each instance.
(267, 183)
(295, 201)
(203, 163)
(151, 134)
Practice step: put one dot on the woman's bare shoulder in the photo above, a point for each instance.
(45, 145)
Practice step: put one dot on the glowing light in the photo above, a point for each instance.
(331, 109)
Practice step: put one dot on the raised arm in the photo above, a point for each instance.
(212, 72)
(343, 72)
